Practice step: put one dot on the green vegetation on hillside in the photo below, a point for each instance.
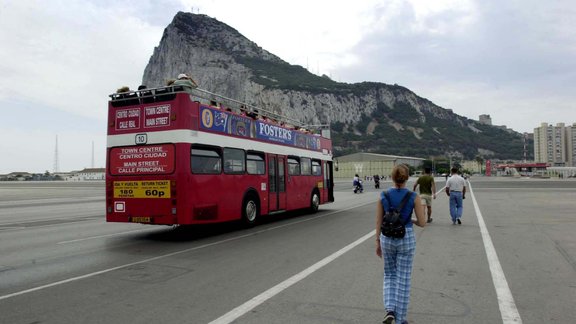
(434, 137)
(287, 76)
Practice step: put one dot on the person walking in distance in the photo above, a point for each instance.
(427, 190)
(456, 190)
(398, 253)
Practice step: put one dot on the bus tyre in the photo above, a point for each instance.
(250, 210)
(314, 201)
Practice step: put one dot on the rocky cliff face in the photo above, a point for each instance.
(225, 62)
(207, 48)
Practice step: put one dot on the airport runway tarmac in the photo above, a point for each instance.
(513, 260)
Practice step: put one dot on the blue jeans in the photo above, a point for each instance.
(398, 256)
(456, 206)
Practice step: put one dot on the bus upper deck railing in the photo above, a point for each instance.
(167, 93)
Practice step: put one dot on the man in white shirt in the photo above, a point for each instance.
(456, 190)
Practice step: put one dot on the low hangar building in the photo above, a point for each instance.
(369, 164)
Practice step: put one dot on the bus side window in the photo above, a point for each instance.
(305, 166)
(206, 160)
(255, 163)
(234, 161)
(316, 168)
(293, 166)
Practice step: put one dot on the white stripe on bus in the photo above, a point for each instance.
(196, 137)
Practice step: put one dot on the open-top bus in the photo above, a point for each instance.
(178, 157)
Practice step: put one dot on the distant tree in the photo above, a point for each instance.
(337, 126)
(480, 162)
(441, 170)
(427, 164)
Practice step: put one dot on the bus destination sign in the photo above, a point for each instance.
(157, 116)
(128, 119)
(149, 159)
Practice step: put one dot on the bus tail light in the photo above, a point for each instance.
(173, 195)
(109, 194)
(173, 189)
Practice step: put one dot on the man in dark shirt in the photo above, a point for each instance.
(427, 190)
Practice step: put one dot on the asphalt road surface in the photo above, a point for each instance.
(513, 260)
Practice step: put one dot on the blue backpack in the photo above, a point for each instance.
(392, 223)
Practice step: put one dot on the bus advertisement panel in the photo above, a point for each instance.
(228, 123)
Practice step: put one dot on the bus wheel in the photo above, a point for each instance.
(314, 201)
(250, 210)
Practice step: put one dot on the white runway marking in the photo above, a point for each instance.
(254, 302)
(527, 189)
(506, 303)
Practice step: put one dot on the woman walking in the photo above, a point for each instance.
(398, 252)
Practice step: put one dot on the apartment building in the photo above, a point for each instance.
(571, 144)
(555, 145)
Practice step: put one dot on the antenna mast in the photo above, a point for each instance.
(56, 162)
(92, 165)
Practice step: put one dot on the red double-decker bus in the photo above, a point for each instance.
(193, 157)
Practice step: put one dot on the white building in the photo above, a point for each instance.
(485, 119)
(369, 164)
(88, 174)
(554, 144)
(571, 144)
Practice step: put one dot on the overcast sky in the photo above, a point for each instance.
(59, 60)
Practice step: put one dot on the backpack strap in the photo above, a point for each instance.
(404, 200)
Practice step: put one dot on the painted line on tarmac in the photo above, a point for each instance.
(106, 235)
(239, 311)
(506, 303)
(65, 220)
(529, 189)
(235, 238)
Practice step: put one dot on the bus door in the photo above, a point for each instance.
(329, 180)
(276, 182)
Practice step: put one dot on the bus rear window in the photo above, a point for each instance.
(206, 160)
